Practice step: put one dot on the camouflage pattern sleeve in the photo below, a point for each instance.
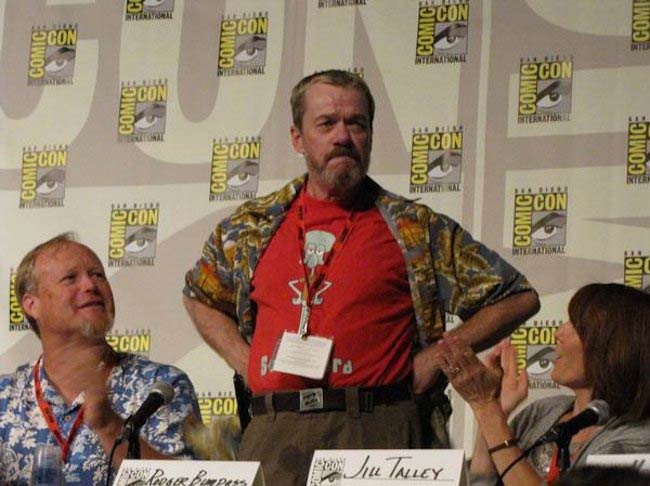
(210, 281)
(468, 274)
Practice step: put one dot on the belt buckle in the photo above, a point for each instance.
(311, 399)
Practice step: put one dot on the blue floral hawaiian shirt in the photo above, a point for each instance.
(22, 426)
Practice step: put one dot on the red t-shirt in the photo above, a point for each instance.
(364, 303)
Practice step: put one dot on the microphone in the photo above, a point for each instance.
(161, 393)
(596, 413)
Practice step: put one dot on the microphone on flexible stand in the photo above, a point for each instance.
(595, 413)
(161, 394)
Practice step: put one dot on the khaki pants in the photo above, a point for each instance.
(285, 441)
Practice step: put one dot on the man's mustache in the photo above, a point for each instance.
(344, 152)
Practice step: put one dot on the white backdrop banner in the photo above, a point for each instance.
(140, 124)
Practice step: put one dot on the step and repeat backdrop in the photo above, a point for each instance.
(139, 124)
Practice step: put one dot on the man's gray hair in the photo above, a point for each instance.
(335, 77)
(25, 278)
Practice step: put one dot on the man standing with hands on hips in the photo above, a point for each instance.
(327, 295)
(78, 394)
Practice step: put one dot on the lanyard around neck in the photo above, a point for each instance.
(50, 419)
(314, 281)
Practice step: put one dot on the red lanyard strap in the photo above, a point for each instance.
(312, 284)
(48, 415)
(553, 468)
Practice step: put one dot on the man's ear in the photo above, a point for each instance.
(30, 305)
(296, 139)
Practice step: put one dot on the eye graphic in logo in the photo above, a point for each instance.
(51, 184)
(331, 478)
(451, 38)
(443, 163)
(60, 62)
(150, 117)
(554, 96)
(250, 50)
(242, 173)
(550, 229)
(157, 5)
(140, 241)
(540, 362)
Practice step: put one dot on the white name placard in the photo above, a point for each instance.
(388, 467)
(189, 473)
(636, 461)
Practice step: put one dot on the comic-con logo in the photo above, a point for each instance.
(638, 150)
(545, 89)
(327, 471)
(136, 342)
(242, 44)
(42, 182)
(133, 234)
(443, 29)
(637, 270)
(640, 25)
(436, 157)
(219, 405)
(534, 345)
(340, 3)
(143, 111)
(17, 319)
(540, 221)
(359, 71)
(52, 54)
(149, 9)
(137, 475)
(235, 169)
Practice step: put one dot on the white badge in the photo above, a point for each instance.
(306, 356)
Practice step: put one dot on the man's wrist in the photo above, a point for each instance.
(429, 356)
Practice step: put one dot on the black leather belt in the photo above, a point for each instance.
(327, 399)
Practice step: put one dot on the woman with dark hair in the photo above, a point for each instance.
(603, 352)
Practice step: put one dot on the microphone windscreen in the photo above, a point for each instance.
(602, 410)
(163, 389)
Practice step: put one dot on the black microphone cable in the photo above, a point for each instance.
(512, 464)
(117, 442)
(161, 393)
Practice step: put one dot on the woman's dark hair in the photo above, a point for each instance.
(613, 322)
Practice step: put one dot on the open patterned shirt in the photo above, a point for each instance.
(22, 426)
(448, 271)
